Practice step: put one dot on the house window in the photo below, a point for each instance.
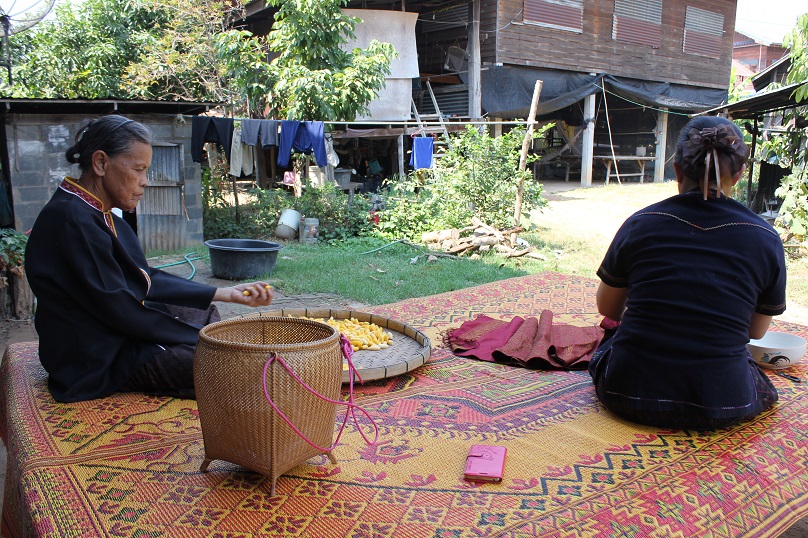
(638, 21)
(704, 32)
(560, 14)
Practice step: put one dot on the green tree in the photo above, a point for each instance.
(198, 55)
(791, 147)
(146, 49)
(82, 52)
(314, 77)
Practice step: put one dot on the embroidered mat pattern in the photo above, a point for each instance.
(128, 465)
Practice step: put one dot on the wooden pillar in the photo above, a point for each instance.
(401, 170)
(261, 168)
(475, 87)
(497, 128)
(751, 165)
(661, 145)
(588, 141)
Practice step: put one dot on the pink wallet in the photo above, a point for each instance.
(485, 463)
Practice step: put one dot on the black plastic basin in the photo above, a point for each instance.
(239, 259)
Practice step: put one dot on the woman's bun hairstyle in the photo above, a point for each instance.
(706, 139)
(112, 134)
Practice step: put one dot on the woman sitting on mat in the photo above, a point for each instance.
(692, 279)
(106, 320)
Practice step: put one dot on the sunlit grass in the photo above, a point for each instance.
(373, 271)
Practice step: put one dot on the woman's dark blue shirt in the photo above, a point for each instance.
(696, 271)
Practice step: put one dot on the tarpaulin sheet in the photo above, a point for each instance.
(508, 90)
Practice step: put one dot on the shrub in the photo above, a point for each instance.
(258, 218)
(477, 176)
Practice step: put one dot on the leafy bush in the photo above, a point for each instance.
(339, 218)
(258, 218)
(12, 254)
(477, 176)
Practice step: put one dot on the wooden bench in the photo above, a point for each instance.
(607, 161)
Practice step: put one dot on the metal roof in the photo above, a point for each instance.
(101, 106)
(759, 104)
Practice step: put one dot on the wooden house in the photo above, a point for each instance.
(755, 52)
(617, 75)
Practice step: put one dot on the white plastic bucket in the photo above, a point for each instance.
(309, 230)
(287, 224)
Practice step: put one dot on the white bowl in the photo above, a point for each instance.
(777, 350)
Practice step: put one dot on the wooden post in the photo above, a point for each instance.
(588, 142)
(661, 145)
(751, 162)
(475, 86)
(517, 212)
(401, 170)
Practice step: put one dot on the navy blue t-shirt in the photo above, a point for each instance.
(696, 270)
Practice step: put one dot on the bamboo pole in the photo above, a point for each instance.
(517, 212)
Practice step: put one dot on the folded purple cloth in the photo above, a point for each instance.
(529, 342)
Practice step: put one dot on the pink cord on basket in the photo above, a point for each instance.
(347, 352)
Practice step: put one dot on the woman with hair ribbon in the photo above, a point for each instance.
(106, 320)
(688, 281)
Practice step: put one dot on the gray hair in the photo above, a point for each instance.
(112, 134)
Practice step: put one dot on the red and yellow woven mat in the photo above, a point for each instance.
(128, 465)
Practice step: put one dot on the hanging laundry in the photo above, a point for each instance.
(304, 136)
(249, 131)
(264, 132)
(210, 129)
(269, 133)
(241, 156)
(333, 158)
(422, 148)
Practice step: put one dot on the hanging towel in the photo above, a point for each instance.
(528, 342)
(303, 136)
(210, 129)
(422, 147)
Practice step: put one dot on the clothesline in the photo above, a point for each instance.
(307, 137)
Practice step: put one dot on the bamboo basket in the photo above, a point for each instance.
(238, 423)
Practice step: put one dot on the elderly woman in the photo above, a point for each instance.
(692, 279)
(106, 320)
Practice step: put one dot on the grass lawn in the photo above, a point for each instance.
(572, 233)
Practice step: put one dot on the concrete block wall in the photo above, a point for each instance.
(37, 164)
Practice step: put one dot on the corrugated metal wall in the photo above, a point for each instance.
(703, 32)
(638, 21)
(563, 14)
(161, 214)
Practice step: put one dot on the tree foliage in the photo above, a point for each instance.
(314, 77)
(193, 54)
(194, 50)
(791, 147)
(82, 52)
(477, 176)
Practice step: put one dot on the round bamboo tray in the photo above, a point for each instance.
(411, 348)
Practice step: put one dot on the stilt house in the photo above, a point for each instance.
(619, 77)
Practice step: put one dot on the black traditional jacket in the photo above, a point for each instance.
(91, 282)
